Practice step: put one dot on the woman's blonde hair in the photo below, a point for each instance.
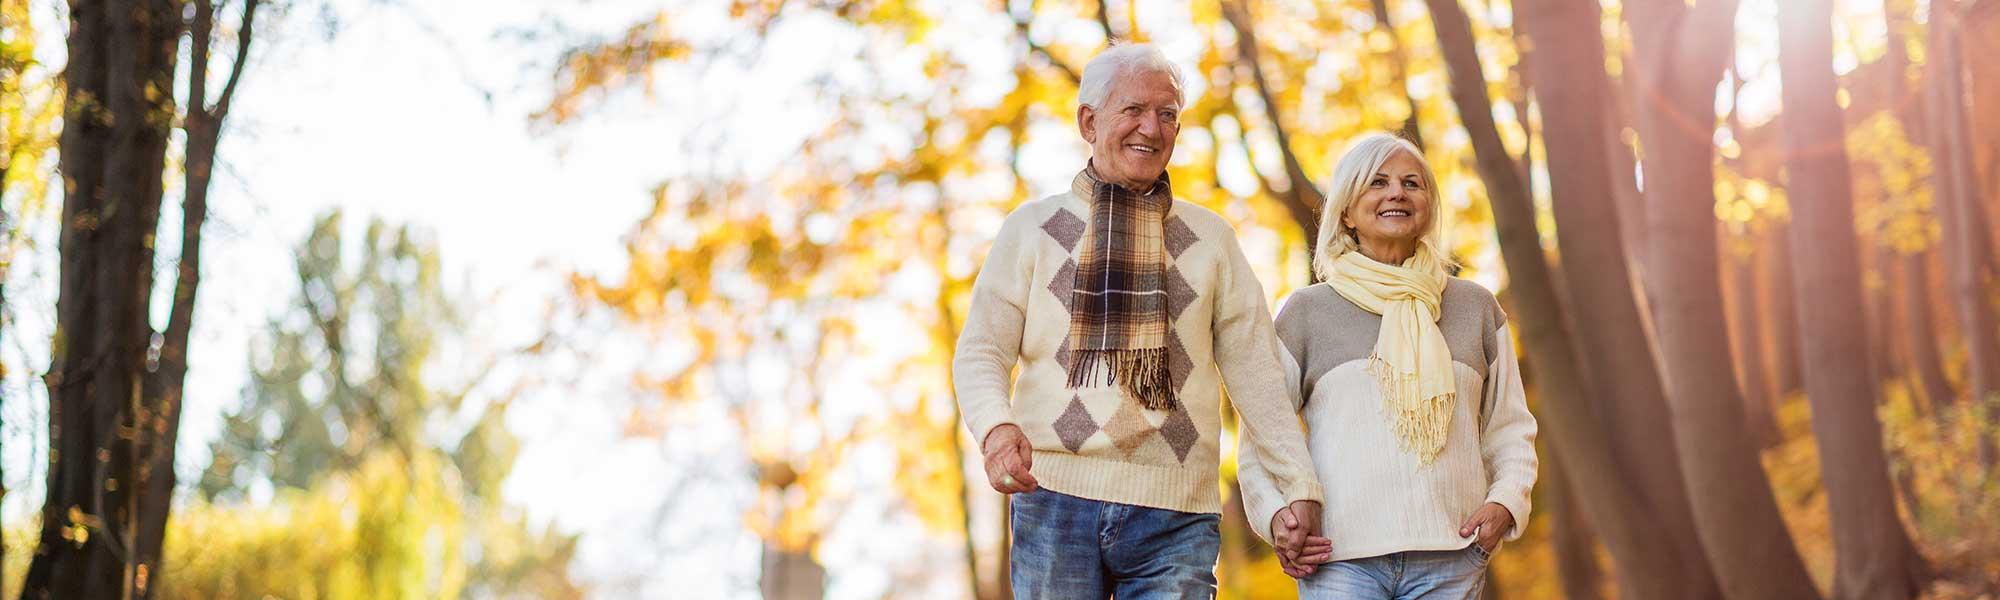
(1363, 157)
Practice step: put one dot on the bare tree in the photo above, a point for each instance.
(114, 384)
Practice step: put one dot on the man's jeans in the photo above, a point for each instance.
(1443, 575)
(1070, 547)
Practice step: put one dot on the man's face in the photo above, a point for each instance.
(1132, 136)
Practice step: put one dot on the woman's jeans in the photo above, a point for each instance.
(1438, 575)
(1070, 547)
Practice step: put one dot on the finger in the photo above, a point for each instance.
(1024, 478)
(1316, 559)
(1472, 524)
(1290, 520)
(1310, 549)
(1026, 452)
(995, 481)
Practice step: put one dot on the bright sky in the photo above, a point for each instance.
(417, 112)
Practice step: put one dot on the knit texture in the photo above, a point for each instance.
(1095, 441)
(1380, 496)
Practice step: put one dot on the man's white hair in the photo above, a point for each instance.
(1119, 61)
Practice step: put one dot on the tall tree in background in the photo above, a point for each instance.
(1967, 249)
(1602, 289)
(359, 384)
(1680, 52)
(1874, 556)
(1649, 570)
(114, 391)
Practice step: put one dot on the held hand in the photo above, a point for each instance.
(1295, 537)
(1489, 523)
(1008, 458)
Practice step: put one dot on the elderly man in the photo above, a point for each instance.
(1127, 311)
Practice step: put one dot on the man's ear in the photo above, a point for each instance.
(1086, 123)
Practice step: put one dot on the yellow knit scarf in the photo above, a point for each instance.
(1411, 360)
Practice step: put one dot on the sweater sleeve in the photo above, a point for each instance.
(1248, 354)
(990, 343)
(1507, 441)
(1261, 499)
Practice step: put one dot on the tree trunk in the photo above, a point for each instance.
(1617, 349)
(1920, 333)
(1881, 350)
(163, 387)
(1300, 197)
(1575, 547)
(1873, 555)
(964, 504)
(1004, 567)
(1238, 541)
(1783, 313)
(1681, 51)
(1747, 344)
(789, 575)
(112, 152)
(1967, 258)
(1399, 71)
(1613, 505)
(109, 493)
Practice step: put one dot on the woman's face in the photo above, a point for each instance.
(1395, 204)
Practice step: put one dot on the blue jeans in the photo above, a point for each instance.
(1436, 575)
(1070, 547)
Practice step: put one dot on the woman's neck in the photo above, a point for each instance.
(1389, 252)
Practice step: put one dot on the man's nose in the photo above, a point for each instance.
(1150, 125)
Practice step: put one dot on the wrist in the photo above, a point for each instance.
(987, 442)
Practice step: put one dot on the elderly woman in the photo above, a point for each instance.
(1407, 382)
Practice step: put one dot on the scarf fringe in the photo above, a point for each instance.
(1141, 372)
(1422, 424)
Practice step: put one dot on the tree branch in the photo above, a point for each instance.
(1021, 25)
(1302, 200)
(1104, 20)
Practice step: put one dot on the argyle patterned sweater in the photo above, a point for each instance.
(1094, 442)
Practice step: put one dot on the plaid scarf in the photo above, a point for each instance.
(1118, 309)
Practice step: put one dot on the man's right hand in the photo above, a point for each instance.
(1295, 535)
(1008, 458)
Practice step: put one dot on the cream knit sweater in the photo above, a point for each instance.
(1379, 498)
(1093, 442)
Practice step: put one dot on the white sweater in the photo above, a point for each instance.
(1378, 499)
